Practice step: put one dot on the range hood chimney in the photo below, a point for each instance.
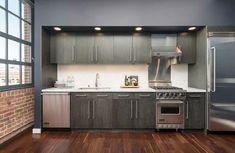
(165, 45)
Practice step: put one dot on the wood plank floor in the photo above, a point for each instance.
(121, 142)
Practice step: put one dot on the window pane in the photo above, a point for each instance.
(2, 3)
(14, 6)
(2, 20)
(13, 50)
(13, 25)
(2, 74)
(14, 74)
(25, 53)
(26, 74)
(26, 31)
(26, 11)
(2, 48)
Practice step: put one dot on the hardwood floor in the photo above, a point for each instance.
(120, 142)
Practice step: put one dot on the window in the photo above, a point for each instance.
(16, 65)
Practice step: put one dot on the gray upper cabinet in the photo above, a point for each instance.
(123, 49)
(142, 48)
(187, 43)
(103, 53)
(62, 47)
(84, 48)
(195, 111)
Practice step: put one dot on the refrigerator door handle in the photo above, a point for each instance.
(213, 49)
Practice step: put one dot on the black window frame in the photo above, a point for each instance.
(21, 41)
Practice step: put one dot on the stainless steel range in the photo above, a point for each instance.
(170, 107)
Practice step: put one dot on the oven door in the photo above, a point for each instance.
(170, 112)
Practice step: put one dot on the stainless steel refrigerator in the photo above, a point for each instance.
(221, 82)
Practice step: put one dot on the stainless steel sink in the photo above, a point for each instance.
(93, 88)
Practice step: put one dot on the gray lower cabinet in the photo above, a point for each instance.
(142, 48)
(62, 46)
(187, 43)
(81, 110)
(123, 53)
(102, 110)
(103, 53)
(145, 108)
(195, 111)
(123, 110)
(113, 110)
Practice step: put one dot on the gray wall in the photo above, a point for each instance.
(124, 13)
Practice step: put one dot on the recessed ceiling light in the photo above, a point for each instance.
(97, 28)
(191, 28)
(138, 28)
(57, 28)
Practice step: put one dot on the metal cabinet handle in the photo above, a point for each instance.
(147, 95)
(73, 53)
(92, 52)
(130, 55)
(96, 54)
(80, 95)
(186, 109)
(131, 109)
(102, 95)
(89, 109)
(136, 109)
(93, 116)
(194, 96)
(134, 54)
(123, 95)
(214, 69)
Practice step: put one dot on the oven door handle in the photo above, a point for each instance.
(170, 102)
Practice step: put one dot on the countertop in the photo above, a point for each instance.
(99, 90)
(190, 89)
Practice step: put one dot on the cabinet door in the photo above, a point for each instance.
(81, 116)
(56, 110)
(123, 110)
(141, 48)
(187, 43)
(84, 49)
(145, 108)
(195, 111)
(62, 48)
(102, 110)
(123, 49)
(104, 49)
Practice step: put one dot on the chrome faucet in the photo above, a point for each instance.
(96, 80)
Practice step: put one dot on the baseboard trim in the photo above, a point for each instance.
(15, 133)
(36, 131)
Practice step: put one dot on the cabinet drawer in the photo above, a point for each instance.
(81, 95)
(123, 95)
(145, 95)
(103, 95)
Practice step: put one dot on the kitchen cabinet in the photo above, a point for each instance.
(103, 49)
(187, 43)
(56, 110)
(81, 110)
(84, 48)
(145, 106)
(123, 53)
(62, 48)
(123, 110)
(91, 110)
(102, 110)
(142, 48)
(195, 111)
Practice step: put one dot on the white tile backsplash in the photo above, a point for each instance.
(110, 75)
(179, 75)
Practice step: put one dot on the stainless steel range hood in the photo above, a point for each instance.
(165, 45)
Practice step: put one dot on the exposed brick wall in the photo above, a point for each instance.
(16, 110)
